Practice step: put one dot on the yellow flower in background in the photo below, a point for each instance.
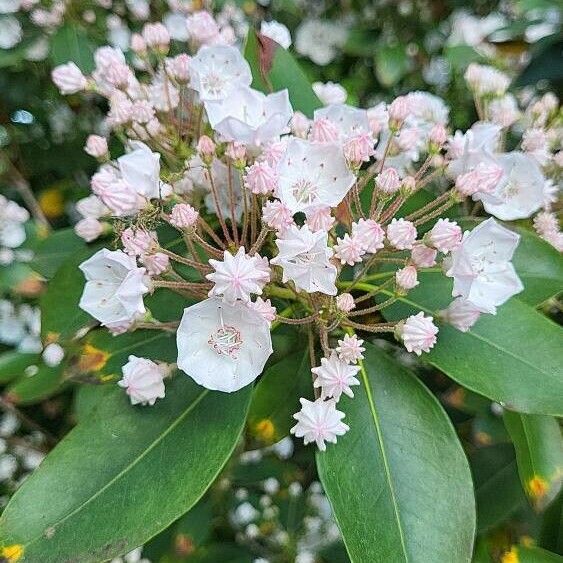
(51, 202)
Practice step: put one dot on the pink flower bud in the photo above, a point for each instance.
(102, 180)
(320, 219)
(156, 36)
(236, 152)
(277, 216)
(399, 109)
(418, 333)
(460, 314)
(323, 131)
(156, 263)
(68, 78)
(121, 198)
(142, 111)
(423, 256)
(406, 278)
(370, 234)
(137, 242)
(179, 67)
(205, 147)
(120, 109)
(118, 75)
(345, 302)
(183, 216)
(202, 27)
(388, 181)
(300, 125)
(483, 178)
(445, 235)
(88, 229)
(359, 148)
(401, 234)
(138, 44)
(260, 178)
(96, 146)
(438, 135)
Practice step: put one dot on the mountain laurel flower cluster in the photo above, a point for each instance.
(260, 216)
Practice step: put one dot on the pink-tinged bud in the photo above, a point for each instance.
(206, 148)
(323, 131)
(399, 110)
(142, 111)
(534, 139)
(237, 153)
(460, 314)
(96, 146)
(102, 180)
(138, 44)
(156, 36)
(137, 242)
(320, 219)
(359, 148)
(345, 302)
(202, 28)
(388, 181)
(300, 125)
(445, 235)
(118, 75)
(156, 263)
(406, 278)
(68, 78)
(401, 234)
(370, 234)
(546, 224)
(121, 198)
(423, 256)
(349, 249)
(274, 151)
(438, 135)
(179, 67)
(483, 178)
(277, 216)
(418, 333)
(183, 216)
(88, 229)
(264, 307)
(260, 178)
(408, 184)
(120, 109)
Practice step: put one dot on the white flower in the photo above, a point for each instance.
(143, 380)
(334, 377)
(114, 288)
(348, 120)
(222, 346)
(10, 32)
(68, 78)
(176, 25)
(312, 175)
(519, 192)
(249, 116)
(12, 219)
(238, 276)
(481, 267)
(330, 92)
(304, 257)
(140, 168)
(319, 421)
(277, 32)
(319, 40)
(217, 71)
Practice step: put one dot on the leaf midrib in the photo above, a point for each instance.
(375, 417)
(126, 469)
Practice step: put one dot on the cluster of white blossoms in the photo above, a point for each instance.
(277, 209)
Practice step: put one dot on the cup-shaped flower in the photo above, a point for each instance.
(304, 257)
(114, 288)
(216, 71)
(312, 175)
(481, 267)
(223, 346)
(140, 168)
(250, 117)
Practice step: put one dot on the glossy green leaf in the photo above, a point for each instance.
(70, 43)
(13, 364)
(398, 472)
(276, 397)
(514, 357)
(496, 477)
(41, 383)
(539, 453)
(274, 68)
(124, 474)
(54, 250)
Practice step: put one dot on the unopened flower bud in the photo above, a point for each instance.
(437, 137)
(445, 235)
(96, 146)
(406, 278)
(260, 178)
(138, 44)
(398, 111)
(156, 36)
(183, 216)
(323, 131)
(401, 234)
(137, 242)
(68, 78)
(156, 263)
(237, 153)
(359, 148)
(423, 256)
(300, 125)
(206, 149)
(345, 302)
(388, 181)
(89, 229)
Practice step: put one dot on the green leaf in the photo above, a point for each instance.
(391, 64)
(30, 389)
(124, 474)
(54, 250)
(539, 453)
(532, 554)
(398, 472)
(270, 417)
(13, 364)
(496, 477)
(514, 357)
(70, 43)
(274, 68)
